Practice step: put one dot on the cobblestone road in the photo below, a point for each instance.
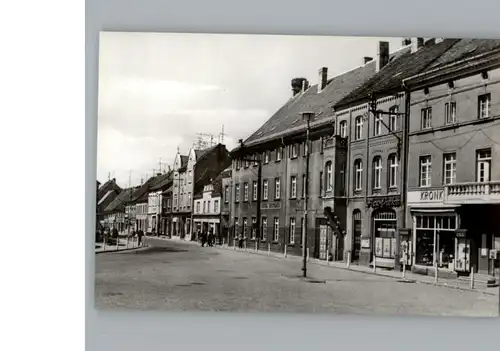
(178, 276)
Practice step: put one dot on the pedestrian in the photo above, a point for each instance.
(203, 239)
(240, 241)
(139, 237)
(210, 238)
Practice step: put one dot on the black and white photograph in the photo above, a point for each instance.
(298, 174)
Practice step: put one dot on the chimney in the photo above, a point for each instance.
(438, 40)
(323, 78)
(406, 41)
(298, 85)
(416, 43)
(383, 55)
(367, 59)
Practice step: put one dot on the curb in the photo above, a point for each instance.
(121, 250)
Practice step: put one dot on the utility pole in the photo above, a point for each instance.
(129, 200)
(307, 116)
(259, 186)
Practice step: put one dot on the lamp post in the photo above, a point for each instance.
(307, 117)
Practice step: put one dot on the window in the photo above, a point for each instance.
(358, 128)
(245, 227)
(279, 152)
(377, 172)
(329, 176)
(276, 229)
(277, 188)
(450, 168)
(254, 231)
(358, 175)
(255, 161)
(265, 189)
(393, 171)
(264, 228)
(303, 186)
(176, 201)
(291, 239)
(237, 163)
(484, 106)
(377, 129)
(342, 179)
(208, 206)
(254, 191)
(343, 129)
(204, 206)
(483, 158)
(295, 150)
(321, 145)
(247, 163)
(190, 174)
(320, 183)
(216, 206)
(197, 207)
(450, 112)
(226, 194)
(237, 193)
(266, 157)
(293, 187)
(245, 192)
(189, 200)
(426, 117)
(393, 118)
(236, 225)
(425, 171)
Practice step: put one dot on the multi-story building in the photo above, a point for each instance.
(226, 186)
(190, 175)
(106, 193)
(210, 212)
(160, 184)
(371, 118)
(114, 213)
(280, 146)
(136, 210)
(454, 161)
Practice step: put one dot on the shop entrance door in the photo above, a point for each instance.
(323, 241)
(462, 253)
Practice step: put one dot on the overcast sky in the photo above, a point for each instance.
(158, 90)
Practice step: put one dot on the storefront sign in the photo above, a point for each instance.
(431, 195)
(270, 205)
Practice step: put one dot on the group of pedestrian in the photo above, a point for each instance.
(206, 238)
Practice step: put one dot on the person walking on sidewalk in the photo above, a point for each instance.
(140, 233)
(240, 241)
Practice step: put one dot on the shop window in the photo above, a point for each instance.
(384, 225)
(435, 240)
(356, 224)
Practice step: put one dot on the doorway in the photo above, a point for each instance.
(356, 228)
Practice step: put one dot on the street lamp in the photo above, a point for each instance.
(307, 116)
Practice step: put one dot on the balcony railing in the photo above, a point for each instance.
(485, 192)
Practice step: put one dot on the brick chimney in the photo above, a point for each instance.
(367, 59)
(406, 41)
(298, 85)
(416, 43)
(323, 78)
(382, 55)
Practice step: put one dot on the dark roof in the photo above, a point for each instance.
(161, 181)
(118, 204)
(200, 153)
(289, 115)
(184, 160)
(466, 48)
(143, 190)
(217, 182)
(109, 185)
(143, 198)
(405, 65)
(167, 191)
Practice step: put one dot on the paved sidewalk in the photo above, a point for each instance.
(123, 245)
(479, 286)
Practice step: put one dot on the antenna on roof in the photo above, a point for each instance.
(221, 136)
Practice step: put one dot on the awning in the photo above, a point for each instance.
(450, 209)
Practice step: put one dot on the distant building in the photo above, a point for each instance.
(114, 213)
(106, 193)
(160, 183)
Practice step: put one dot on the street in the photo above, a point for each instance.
(179, 276)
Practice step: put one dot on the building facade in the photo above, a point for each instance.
(279, 146)
(182, 192)
(372, 117)
(454, 163)
(207, 212)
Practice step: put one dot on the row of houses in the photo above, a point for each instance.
(393, 162)
(163, 204)
(403, 160)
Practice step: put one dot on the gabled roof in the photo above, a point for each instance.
(466, 48)
(161, 181)
(109, 185)
(390, 77)
(289, 115)
(200, 153)
(143, 189)
(108, 194)
(118, 204)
